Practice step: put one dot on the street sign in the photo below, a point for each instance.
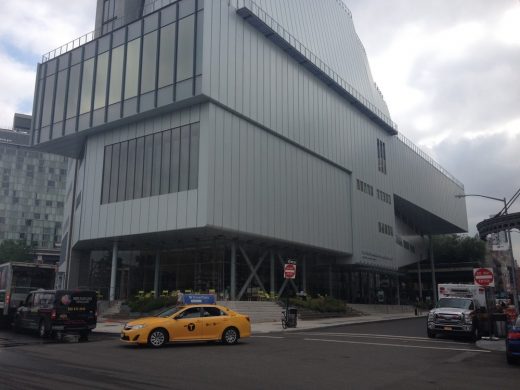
(289, 271)
(484, 277)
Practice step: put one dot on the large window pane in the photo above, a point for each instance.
(185, 47)
(39, 101)
(167, 55)
(130, 172)
(194, 156)
(200, 23)
(184, 158)
(72, 97)
(86, 86)
(156, 169)
(101, 81)
(122, 171)
(115, 173)
(48, 100)
(165, 164)
(139, 163)
(149, 62)
(147, 174)
(107, 163)
(132, 68)
(116, 75)
(174, 160)
(59, 105)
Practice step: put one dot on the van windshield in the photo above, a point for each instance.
(457, 303)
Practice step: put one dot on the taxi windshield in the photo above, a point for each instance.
(169, 312)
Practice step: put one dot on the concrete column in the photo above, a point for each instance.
(419, 278)
(398, 290)
(330, 280)
(432, 262)
(233, 272)
(272, 286)
(304, 274)
(156, 273)
(113, 272)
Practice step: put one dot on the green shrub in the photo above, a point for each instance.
(321, 304)
(146, 305)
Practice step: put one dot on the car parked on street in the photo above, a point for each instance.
(513, 342)
(194, 322)
(53, 311)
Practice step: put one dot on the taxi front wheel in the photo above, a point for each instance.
(230, 336)
(157, 338)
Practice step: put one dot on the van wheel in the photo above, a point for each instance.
(430, 334)
(83, 335)
(43, 329)
(475, 334)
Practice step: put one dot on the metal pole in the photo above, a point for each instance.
(156, 274)
(420, 279)
(432, 262)
(272, 287)
(330, 280)
(233, 271)
(113, 273)
(304, 274)
(513, 263)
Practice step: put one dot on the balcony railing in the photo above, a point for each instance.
(428, 159)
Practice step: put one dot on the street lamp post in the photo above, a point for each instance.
(513, 264)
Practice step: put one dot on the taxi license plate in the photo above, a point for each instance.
(448, 328)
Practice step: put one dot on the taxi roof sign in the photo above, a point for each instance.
(197, 299)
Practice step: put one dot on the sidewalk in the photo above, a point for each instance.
(115, 326)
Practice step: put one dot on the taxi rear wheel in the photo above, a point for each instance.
(157, 338)
(230, 336)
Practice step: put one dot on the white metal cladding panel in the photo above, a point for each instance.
(405, 256)
(327, 30)
(420, 183)
(146, 215)
(263, 185)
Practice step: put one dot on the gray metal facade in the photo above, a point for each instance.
(284, 157)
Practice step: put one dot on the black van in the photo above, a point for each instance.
(52, 311)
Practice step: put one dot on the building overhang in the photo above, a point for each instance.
(268, 27)
(421, 220)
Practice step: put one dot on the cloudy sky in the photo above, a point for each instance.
(449, 71)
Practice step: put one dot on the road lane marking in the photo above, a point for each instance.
(269, 337)
(378, 336)
(399, 345)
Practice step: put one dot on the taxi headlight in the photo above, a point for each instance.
(134, 327)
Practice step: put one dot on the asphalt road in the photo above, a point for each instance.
(384, 355)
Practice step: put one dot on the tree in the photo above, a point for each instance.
(458, 249)
(11, 250)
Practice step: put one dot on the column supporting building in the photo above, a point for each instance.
(113, 272)
(156, 273)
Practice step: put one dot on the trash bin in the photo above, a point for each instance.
(500, 324)
(292, 317)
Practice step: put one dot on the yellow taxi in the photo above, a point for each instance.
(194, 322)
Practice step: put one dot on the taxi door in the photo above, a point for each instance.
(187, 325)
(214, 322)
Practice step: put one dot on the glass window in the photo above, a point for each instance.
(156, 167)
(174, 160)
(149, 62)
(184, 158)
(147, 173)
(116, 75)
(59, 105)
(139, 163)
(198, 62)
(210, 311)
(185, 46)
(167, 55)
(115, 172)
(194, 156)
(106, 174)
(86, 86)
(48, 100)
(123, 160)
(132, 68)
(101, 81)
(72, 96)
(130, 172)
(165, 164)
(193, 312)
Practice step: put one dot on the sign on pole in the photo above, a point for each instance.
(484, 277)
(289, 271)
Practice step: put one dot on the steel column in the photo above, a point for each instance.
(113, 273)
(156, 273)
(432, 262)
(233, 272)
(272, 291)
